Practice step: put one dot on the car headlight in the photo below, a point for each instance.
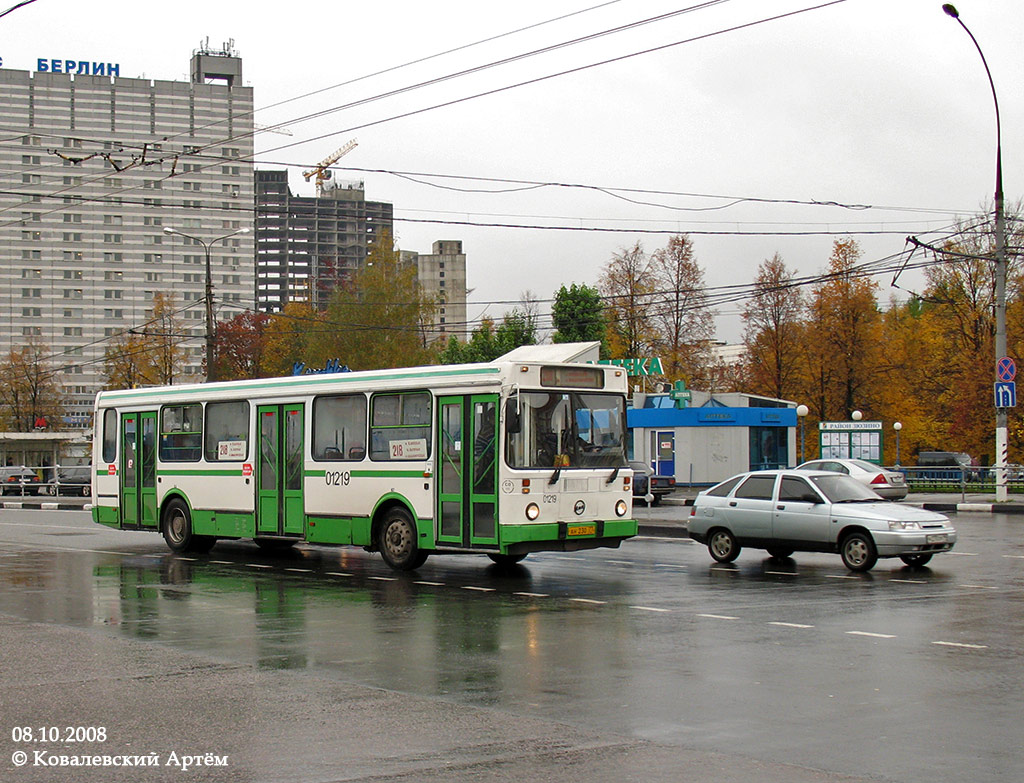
(621, 508)
(532, 511)
(894, 525)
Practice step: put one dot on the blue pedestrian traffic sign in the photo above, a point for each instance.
(1006, 369)
(1006, 394)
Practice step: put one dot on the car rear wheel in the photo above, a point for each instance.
(723, 546)
(858, 552)
(916, 561)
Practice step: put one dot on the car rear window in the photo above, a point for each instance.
(757, 488)
(724, 488)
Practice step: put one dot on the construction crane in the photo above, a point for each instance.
(322, 169)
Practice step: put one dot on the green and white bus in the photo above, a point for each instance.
(502, 459)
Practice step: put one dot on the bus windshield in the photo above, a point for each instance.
(566, 430)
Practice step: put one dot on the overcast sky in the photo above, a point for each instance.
(880, 103)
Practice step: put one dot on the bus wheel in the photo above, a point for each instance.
(507, 560)
(397, 541)
(177, 530)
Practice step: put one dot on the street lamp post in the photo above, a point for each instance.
(897, 426)
(1000, 269)
(210, 372)
(801, 413)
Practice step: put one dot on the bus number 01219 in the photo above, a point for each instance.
(337, 478)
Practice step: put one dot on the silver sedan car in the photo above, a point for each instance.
(786, 511)
(888, 484)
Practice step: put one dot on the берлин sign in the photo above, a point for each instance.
(55, 65)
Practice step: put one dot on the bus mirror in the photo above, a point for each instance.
(512, 420)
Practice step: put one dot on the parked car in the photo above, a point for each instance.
(71, 481)
(947, 466)
(18, 481)
(646, 481)
(814, 511)
(888, 484)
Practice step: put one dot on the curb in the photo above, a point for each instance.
(663, 531)
(40, 505)
(981, 508)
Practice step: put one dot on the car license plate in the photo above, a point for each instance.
(897, 479)
(937, 538)
(582, 530)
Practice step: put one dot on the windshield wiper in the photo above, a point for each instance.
(555, 475)
(612, 477)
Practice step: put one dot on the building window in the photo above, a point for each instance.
(71, 255)
(113, 239)
(31, 293)
(113, 294)
(31, 274)
(32, 312)
(72, 236)
(72, 274)
(33, 236)
(152, 221)
(72, 217)
(113, 220)
(113, 258)
(32, 331)
(116, 275)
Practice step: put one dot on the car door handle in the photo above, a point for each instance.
(781, 507)
(732, 503)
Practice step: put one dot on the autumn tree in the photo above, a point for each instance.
(30, 397)
(685, 321)
(578, 316)
(291, 336)
(626, 285)
(773, 331)
(127, 363)
(241, 346)
(378, 318)
(165, 333)
(845, 332)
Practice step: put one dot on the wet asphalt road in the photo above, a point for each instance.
(645, 663)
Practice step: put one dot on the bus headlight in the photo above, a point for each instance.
(532, 511)
(621, 508)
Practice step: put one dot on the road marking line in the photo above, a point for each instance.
(478, 589)
(432, 584)
(337, 573)
(781, 573)
(872, 635)
(218, 562)
(257, 565)
(668, 565)
(383, 578)
(980, 587)
(587, 601)
(650, 609)
(963, 554)
(620, 562)
(157, 556)
(300, 570)
(719, 616)
(964, 645)
(791, 625)
(910, 581)
(1015, 557)
(532, 595)
(841, 576)
(187, 559)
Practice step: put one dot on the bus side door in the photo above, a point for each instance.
(467, 507)
(280, 508)
(138, 470)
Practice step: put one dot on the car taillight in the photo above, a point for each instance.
(879, 479)
(693, 511)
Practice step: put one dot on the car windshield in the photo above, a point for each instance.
(843, 489)
(567, 430)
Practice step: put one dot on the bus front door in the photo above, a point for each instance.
(467, 503)
(138, 470)
(279, 503)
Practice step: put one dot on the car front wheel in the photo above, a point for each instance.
(858, 552)
(723, 546)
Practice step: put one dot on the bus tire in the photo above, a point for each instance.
(177, 530)
(396, 540)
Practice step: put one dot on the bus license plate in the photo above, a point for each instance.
(582, 530)
(937, 538)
